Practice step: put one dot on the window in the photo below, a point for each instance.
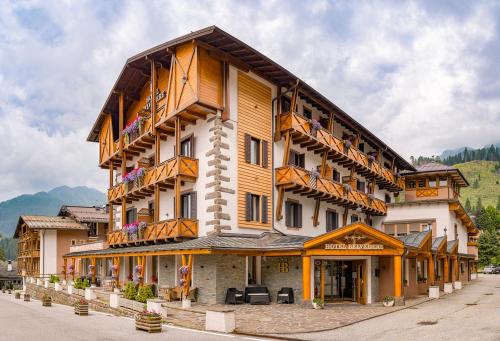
(188, 205)
(360, 186)
(443, 182)
(411, 184)
(421, 183)
(462, 267)
(426, 226)
(187, 146)
(336, 175)
(131, 215)
(296, 159)
(420, 274)
(354, 218)
(307, 113)
(432, 182)
(93, 230)
(151, 208)
(285, 104)
(387, 198)
(293, 214)
(332, 220)
(73, 242)
(425, 268)
(256, 208)
(256, 151)
(361, 147)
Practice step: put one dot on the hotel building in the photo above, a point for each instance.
(224, 161)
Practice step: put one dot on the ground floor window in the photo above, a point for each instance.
(332, 220)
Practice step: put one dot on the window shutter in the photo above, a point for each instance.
(247, 148)
(302, 161)
(248, 205)
(299, 215)
(264, 154)
(287, 214)
(264, 209)
(193, 205)
(328, 221)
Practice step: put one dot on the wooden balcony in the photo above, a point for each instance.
(301, 181)
(323, 140)
(166, 230)
(163, 175)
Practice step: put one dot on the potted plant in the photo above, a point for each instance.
(318, 303)
(148, 321)
(388, 301)
(17, 295)
(347, 188)
(46, 300)
(27, 297)
(82, 307)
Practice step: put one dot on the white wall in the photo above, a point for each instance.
(48, 252)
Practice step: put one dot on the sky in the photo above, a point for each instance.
(424, 76)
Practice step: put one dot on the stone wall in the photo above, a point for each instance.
(166, 271)
(214, 274)
(274, 280)
(375, 279)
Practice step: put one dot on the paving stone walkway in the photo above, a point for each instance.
(284, 319)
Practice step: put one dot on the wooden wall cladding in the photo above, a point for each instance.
(255, 119)
(106, 145)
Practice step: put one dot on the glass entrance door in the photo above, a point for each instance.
(339, 284)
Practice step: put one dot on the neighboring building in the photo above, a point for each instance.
(8, 275)
(222, 160)
(431, 203)
(43, 240)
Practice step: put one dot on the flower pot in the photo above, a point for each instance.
(27, 297)
(47, 301)
(317, 305)
(434, 291)
(81, 309)
(151, 324)
(186, 303)
(389, 303)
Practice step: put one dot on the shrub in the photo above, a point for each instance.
(130, 291)
(144, 293)
(81, 283)
(54, 279)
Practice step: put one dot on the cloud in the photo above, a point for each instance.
(423, 77)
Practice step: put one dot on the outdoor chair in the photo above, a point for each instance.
(234, 296)
(257, 295)
(285, 295)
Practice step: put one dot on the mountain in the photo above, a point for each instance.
(45, 203)
(450, 152)
(484, 180)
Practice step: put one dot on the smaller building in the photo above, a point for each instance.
(9, 277)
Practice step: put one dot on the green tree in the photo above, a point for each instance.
(489, 248)
(468, 207)
(2, 255)
(475, 185)
(488, 219)
(479, 206)
(498, 204)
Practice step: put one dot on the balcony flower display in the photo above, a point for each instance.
(315, 126)
(133, 129)
(184, 270)
(134, 177)
(115, 267)
(131, 230)
(372, 156)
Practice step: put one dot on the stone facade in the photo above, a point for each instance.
(214, 274)
(166, 271)
(274, 280)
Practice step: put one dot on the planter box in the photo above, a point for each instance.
(149, 324)
(132, 305)
(473, 276)
(114, 300)
(47, 302)
(39, 282)
(448, 288)
(223, 321)
(17, 295)
(388, 303)
(82, 309)
(457, 285)
(434, 292)
(46, 284)
(57, 287)
(27, 297)
(70, 289)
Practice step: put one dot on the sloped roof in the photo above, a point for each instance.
(8, 274)
(135, 74)
(436, 167)
(414, 239)
(85, 214)
(451, 245)
(436, 242)
(225, 241)
(38, 222)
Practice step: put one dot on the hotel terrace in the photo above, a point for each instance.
(222, 161)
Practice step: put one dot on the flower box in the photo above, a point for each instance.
(17, 295)
(82, 309)
(47, 301)
(27, 297)
(149, 322)
(132, 305)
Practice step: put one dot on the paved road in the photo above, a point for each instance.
(21, 321)
(472, 313)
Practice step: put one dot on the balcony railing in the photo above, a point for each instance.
(163, 174)
(303, 182)
(142, 139)
(322, 140)
(166, 230)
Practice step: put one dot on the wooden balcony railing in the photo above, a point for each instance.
(322, 140)
(166, 230)
(162, 174)
(142, 140)
(303, 182)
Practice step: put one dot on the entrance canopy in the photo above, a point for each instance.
(355, 239)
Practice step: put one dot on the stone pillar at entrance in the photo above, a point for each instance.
(306, 279)
(397, 279)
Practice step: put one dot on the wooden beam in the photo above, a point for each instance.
(226, 113)
(153, 97)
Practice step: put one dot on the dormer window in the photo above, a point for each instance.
(432, 182)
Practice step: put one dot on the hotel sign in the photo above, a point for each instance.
(354, 247)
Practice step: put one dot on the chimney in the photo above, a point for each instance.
(9, 265)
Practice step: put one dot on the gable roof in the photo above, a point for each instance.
(438, 243)
(415, 240)
(85, 214)
(38, 222)
(452, 246)
(438, 168)
(135, 74)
